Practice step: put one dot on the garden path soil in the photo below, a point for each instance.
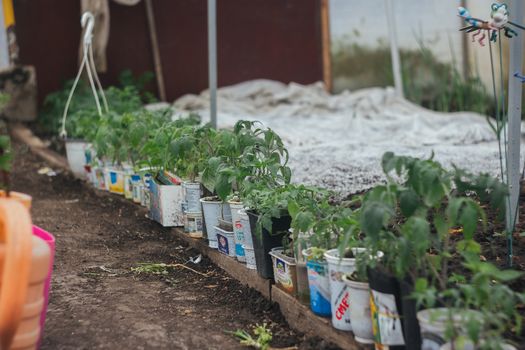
(97, 302)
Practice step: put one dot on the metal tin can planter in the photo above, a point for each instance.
(165, 204)
(266, 241)
(385, 309)
(225, 241)
(192, 196)
(359, 300)
(193, 224)
(212, 209)
(238, 230)
(284, 271)
(319, 283)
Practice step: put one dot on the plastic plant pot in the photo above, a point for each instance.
(193, 224)
(238, 230)
(211, 210)
(192, 195)
(266, 241)
(359, 300)
(76, 157)
(225, 241)
(318, 281)
(284, 271)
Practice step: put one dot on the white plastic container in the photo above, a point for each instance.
(470, 346)
(116, 181)
(106, 171)
(129, 178)
(225, 241)
(249, 253)
(76, 157)
(433, 325)
(360, 316)
(211, 210)
(245, 223)
(339, 292)
(192, 195)
(238, 230)
(136, 190)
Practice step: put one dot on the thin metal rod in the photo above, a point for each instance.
(465, 54)
(212, 60)
(394, 49)
(514, 123)
(4, 48)
(155, 48)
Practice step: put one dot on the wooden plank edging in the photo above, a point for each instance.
(298, 316)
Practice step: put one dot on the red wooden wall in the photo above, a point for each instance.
(273, 39)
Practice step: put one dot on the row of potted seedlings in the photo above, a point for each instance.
(399, 265)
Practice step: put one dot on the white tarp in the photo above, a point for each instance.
(336, 141)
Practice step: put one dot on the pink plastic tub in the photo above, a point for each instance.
(50, 240)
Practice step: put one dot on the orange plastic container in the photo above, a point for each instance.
(24, 267)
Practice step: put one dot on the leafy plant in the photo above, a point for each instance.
(83, 117)
(262, 340)
(313, 211)
(495, 304)
(192, 148)
(411, 216)
(248, 156)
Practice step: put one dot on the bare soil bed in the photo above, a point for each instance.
(97, 302)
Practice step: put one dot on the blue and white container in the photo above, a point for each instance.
(225, 241)
(238, 230)
(319, 283)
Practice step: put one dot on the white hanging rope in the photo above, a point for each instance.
(88, 22)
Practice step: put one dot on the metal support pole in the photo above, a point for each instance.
(212, 60)
(514, 116)
(4, 47)
(394, 50)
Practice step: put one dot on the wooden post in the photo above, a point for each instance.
(394, 50)
(326, 45)
(514, 121)
(212, 60)
(4, 47)
(155, 48)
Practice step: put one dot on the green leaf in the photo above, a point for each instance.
(303, 221)
(408, 202)
(469, 218)
(223, 186)
(293, 208)
(508, 275)
(469, 246)
(374, 217)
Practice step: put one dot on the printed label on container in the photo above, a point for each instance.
(386, 321)
(223, 244)
(283, 275)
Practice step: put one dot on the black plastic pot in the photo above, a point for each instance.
(411, 329)
(266, 241)
(387, 284)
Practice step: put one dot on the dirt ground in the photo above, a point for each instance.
(97, 302)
